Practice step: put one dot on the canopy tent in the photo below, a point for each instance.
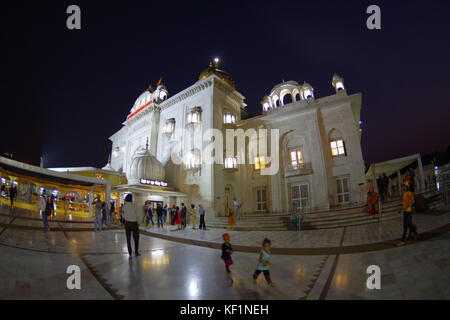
(394, 166)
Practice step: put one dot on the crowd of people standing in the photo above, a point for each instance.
(177, 215)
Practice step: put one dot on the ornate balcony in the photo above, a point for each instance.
(301, 169)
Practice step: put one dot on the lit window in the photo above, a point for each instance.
(307, 94)
(339, 86)
(230, 163)
(194, 116)
(259, 163)
(229, 118)
(296, 158)
(169, 126)
(337, 148)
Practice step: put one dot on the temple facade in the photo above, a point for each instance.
(313, 147)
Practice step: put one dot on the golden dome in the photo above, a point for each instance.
(213, 69)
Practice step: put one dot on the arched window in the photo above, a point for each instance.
(230, 163)
(194, 116)
(229, 118)
(168, 126)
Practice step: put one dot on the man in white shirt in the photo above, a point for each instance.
(131, 215)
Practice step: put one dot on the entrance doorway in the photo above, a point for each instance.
(154, 204)
(300, 196)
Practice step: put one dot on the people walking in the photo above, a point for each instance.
(407, 210)
(264, 263)
(98, 206)
(201, 212)
(12, 195)
(193, 216)
(183, 216)
(237, 206)
(149, 215)
(227, 251)
(165, 213)
(131, 215)
(159, 215)
(43, 209)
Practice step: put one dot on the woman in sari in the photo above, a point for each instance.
(372, 199)
(178, 218)
(230, 219)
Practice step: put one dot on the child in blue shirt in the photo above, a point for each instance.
(264, 263)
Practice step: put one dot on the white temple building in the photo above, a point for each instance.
(320, 163)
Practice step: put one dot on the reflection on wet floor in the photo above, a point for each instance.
(33, 266)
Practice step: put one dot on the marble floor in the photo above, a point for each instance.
(33, 264)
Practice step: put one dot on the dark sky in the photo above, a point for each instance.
(63, 93)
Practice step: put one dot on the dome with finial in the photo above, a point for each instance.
(214, 69)
(145, 166)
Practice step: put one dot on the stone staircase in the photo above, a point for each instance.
(335, 218)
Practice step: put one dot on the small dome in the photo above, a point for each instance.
(285, 84)
(145, 166)
(214, 69)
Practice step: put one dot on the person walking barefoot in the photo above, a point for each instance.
(132, 217)
(407, 205)
(264, 263)
(227, 251)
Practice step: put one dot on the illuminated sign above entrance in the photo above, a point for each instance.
(154, 183)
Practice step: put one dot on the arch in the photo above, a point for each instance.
(335, 134)
(287, 99)
(296, 94)
(276, 101)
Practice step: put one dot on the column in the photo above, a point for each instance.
(107, 202)
(399, 182)
(91, 198)
(421, 175)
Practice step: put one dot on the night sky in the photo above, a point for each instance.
(63, 92)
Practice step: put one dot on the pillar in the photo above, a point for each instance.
(91, 198)
(399, 182)
(421, 175)
(107, 201)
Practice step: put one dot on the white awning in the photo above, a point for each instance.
(391, 166)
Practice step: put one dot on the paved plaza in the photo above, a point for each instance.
(186, 264)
